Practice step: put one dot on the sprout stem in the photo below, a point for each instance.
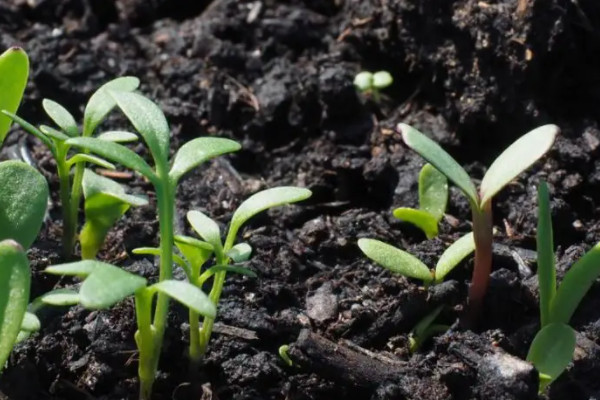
(68, 237)
(483, 236)
(145, 343)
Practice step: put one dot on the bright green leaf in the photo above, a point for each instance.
(107, 285)
(14, 70)
(80, 269)
(236, 269)
(29, 129)
(517, 158)
(420, 218)
(433, 191)
(240, 252)
(545, 254)
(206, 228)
(23, 201)
(195, 251)
(95, 184)
(60, 297)
(188, 295)
(382, 79)
(442, 161)
(61, 117)
(453, 255)
(364, 81)
(88, 158)
(197, 151)
(395, 260)
(30, 323)
(118, 136)
(53, 133)
(552, 350)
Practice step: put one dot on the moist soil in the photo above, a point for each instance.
(277, 76)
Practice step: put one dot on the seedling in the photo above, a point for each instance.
(371, 83)
(23, 200)
(515, 159)
(96, 110)
(552, 349)
(405, 264)
(14, 70)
(105, 203)
(283, 353)
(104, 285)
(433, 197)
(228, 253)
(425, 329)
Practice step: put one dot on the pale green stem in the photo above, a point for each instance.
(145, 342)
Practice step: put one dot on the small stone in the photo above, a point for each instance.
(322, 305)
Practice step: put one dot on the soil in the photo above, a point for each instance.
(277, 76)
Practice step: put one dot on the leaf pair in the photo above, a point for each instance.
(433, 196)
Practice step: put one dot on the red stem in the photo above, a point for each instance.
(483, 231)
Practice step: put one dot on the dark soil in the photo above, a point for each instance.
(277, 76)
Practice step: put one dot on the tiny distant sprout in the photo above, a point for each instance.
(14, 71)
(105, 203)
(405, 264)
(425, 329)
(97, 108)
(513, 161)
(15, 279)
(227, 255)
(104, 285)
(283, 353)
(433, 197)
(371, 83)
(552, 349)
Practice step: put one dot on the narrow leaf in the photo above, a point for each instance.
(545, 254)
(30, 323)
(29, 129)
(195, 251)
(517, 158)
(107, 285)
(420, 218)
(236, 269)
(88, 158)
(118, 136)
(453, 255)
(206, 228)
(240, 252)
(155, 251)
(395, 260)
(60, 297)
(53, 133)
(188, 295)
(552, 350)
(80, 269)
(14, 71)
(61, 117)
(197, 151)
(433, 191)
(442, 161)
(422, 326)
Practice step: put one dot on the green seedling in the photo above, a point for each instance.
(553, 347)
(152, 126)
(226, 254)
(433, 197)
(425, 329)
(23, 201)
(105, 203)
(56, 140)
(371, 83)
(283, 353)
(405, 264)
(15, 279)
(513, 161)
(104, 285)
(14, 71)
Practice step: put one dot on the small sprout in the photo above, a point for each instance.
(23, 201)
(405, 264)
(15, 278)
(433, 197)
(14, 71)
(283, 353)
(513, 161)
(426, 329)
(371, 83)
(105, 203)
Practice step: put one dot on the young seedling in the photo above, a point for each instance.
(425, 329)
(151, 124)
(433, 197)
(371, 83)
(104, 285)
(405, 264)
(105, 203)
(15, 279)
(552, 349)
(228, 253)
(515, 159)
(23, 200)
(96, 110)
(14, 71)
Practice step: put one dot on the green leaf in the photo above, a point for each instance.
(30, 323)
(118, 136)
(115, 152)
(14, 70)
(88, 158)
(61, 117)
(23, 201)
(395, 260)
(148, 120)
(188, 295)
(382, 79)
(422, 326)
(576, 283)
(107, 285)
(236, 269)
(364, 81)
(199, 150)
(453, 255)
(15, 279)
(517, 158)
(101, 102)
(195, 251)
(552, 350)
(155, 251)
(53, 133)
(545, 254)
(94, 184)
(206, 228)
(80, 269)
(29, 129)
(442, 161)
(60, 297)
(433, 191)
(420, 218)
(240, 252)
(262, 201)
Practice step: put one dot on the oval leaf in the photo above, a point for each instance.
(364, 81)
(395, 260)
(15, 279)
(94, 184)
(552, 350)
(107, 285)
(453, 255)
(240, 252)
(14, 70)
(23, 202)
(188, 295)
(61, 117)
(433, 191)
(442, 161)
(199, 150)
(118, 136)
(206, 228)
(517, 158)
(420, 218)
(382, 79)
(78, 268)
(30, 323)
(60, 297)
